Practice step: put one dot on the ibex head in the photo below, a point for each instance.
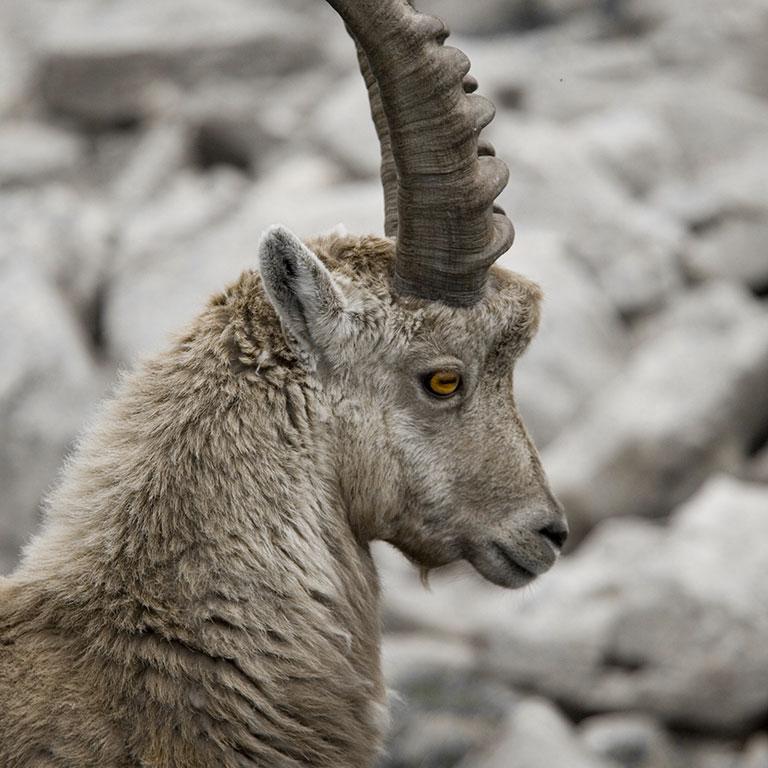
(411, 342)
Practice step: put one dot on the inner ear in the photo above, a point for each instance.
(303, 292)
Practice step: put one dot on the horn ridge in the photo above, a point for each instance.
(445, 177)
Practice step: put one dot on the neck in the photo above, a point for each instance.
(205, 512)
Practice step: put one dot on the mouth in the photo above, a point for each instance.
(498, 564)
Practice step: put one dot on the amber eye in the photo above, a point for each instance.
(442, 383)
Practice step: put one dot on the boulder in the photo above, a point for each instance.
(755, 752)
(344, 113)
(757, 467)
(63, 235)
(633, 145)
(536, 735)
(31, 152)
(581, 343)
(189, 245)
(734, 186)
(441, 707)
(48, 384)
(693, 34)
(16, 64)
(668, 621)
(712, 124)
(122, 62)
(559, 73)
(153, 162)
(691, 399)
(631, 248)
(736, 249)
(630, 741)
(172, 255)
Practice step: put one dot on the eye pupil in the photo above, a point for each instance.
(443, 383)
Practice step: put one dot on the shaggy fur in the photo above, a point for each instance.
(202, 592)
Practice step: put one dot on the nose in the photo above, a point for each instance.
(555, 532)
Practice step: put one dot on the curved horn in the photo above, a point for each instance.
(428, 121)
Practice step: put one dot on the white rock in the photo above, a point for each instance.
(757, 468)
(559, 73)
(536, 735)
(125, 61)
(158, 156)
(407, 658)
(633, 145)
(172, 256)
(690, 400)
(631, 248)
(63, 235)
(712, 124)
(630, 741)
(667, 621)
(736, 250)
(16, 64)
(185, 248)
(581, 343)
(343, 114)
(434, 740)
(31, 152)
(755, 752)
(48, 384)
(733, 187)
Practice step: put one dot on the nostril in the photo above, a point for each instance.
(555, 533)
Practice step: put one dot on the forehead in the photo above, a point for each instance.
(502, 323)
(505, 319)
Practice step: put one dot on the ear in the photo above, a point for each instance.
(303, 292)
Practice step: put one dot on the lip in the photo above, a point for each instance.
(497, 564)
(514, 565)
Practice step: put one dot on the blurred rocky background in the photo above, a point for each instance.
(144, 145)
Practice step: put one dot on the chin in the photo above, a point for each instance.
(428, 558)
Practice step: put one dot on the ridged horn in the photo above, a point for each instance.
(440, 181)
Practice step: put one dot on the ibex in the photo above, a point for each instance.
(202, 591)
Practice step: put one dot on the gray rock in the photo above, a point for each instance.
(734, 187)
(48, 383)
(202, 235)
(757, 467)
(536, 735)
(633, 145)
(694, 33)
(712, 124)
(482, 17)
(736, 250)
(438, 740)
(125, 61)
(343, 114)
(32, 152)
(559, 73)
(701, 752)
(630, 741)
(691, 400)
(152, 163)
(441, 707)
(667, 621)
(491, 17)
(16, 64)
(755, 752)
(64, 236)
(409, 658)
(172, 256)
(581, 343)
(631, 248)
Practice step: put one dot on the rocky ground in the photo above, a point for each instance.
(144, 144)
